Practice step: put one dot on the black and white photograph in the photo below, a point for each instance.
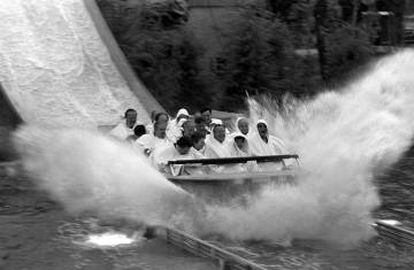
(206, 134)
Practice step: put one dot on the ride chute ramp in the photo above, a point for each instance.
(60, 65)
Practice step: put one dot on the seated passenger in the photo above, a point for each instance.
(188, 128)
(264, 144)
(200, 125)
(160, 117)
(139, 130)
(148, 142)
(175, 125)
(206, 114)
(216, 146)
(240, 148)
(182, 149)
(242, 124)
(199, 142)
(123, 130)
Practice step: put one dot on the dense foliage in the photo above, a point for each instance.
(263, 50)
(259, 58)
(163, 53)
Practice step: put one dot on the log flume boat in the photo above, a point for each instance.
(226, 183)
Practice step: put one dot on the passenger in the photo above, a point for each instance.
(240, 148)
(188, 128)
(160, 117)
(199, 142)
(125, 129)
(242, 124)
(200, 125)
(214, 122)
(157, 139)
(216, 147)
(264, 144)
(182, 149)
(175, 125)
(206, 114)
(139, 130)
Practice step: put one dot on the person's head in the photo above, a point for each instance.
(182, 113)
(240, 141)
(199, 140)
(130, 117)
(197, 114)
(188, 128)
(160, 130)
(183, 145)
(219, 133)
(243, 125)
(139, 130)
(200, 123)
(161, 117)
(206, 114)
(262, 128)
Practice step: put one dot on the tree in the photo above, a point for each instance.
(259, 58)
(161, 50)
(341, 46)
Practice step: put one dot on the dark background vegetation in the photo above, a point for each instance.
(278, 47)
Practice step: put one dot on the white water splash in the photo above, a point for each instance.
(342, 138)
(87, 171)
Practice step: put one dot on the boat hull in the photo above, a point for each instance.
(234, 187)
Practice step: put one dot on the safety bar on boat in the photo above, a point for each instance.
(196, 246)
(395, 232)
(228, 160)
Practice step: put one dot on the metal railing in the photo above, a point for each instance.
(395, 233)
(225, 259)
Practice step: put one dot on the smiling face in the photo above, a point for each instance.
(219, 133)
(243, 126)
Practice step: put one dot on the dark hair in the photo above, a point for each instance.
(199, 120)
(205, 110)
(158, 115)
(129, 110)
(197, 136)
(140, 130)
(239, 137)
(184, 141)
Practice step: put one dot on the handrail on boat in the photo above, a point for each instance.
(230, 160)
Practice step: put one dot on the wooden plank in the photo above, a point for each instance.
(232, 160)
